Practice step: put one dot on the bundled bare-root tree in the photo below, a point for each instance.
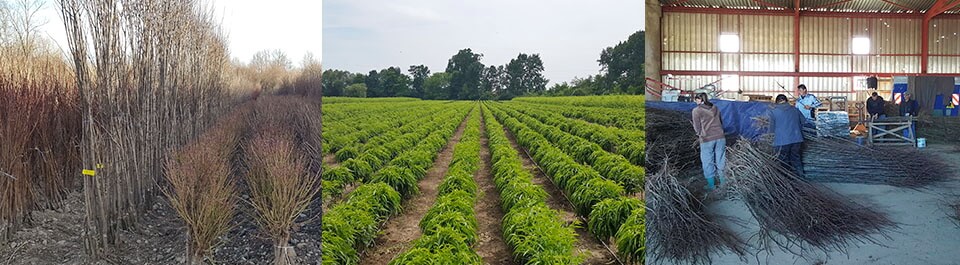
(202, 190)
(678, 227)
(150, 75)
(281, 186)
(784, 204)
(39, 120)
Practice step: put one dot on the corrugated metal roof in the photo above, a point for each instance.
(898, 6)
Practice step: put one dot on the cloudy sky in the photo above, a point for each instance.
(361, 35)
(290, 26)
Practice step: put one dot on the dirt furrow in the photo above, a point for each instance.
(491, 246)
(400, 230)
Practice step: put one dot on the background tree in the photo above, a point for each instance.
(623, 65)
(309, 82)
(435, 86)
(372, 81)
(270, 69)
(492, 80)
(524, 76)
(465, 71)
(419, 74)
(358, 90)
(394, 83)
(335, 81)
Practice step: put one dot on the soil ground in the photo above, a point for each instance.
(491, 246)
(927, 233)
(399, 231)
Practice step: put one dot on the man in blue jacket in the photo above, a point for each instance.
(785, 124)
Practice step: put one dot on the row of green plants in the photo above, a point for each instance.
(628, 143)
(610, 165)
(609, 101)
(449, 228)
(626, 118)
(601, 201)
(348, 127)
(360, 166)
(352, 225)
(535, 233)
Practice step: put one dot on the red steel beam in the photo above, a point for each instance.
(946, 6)
(770, 12)
(924, 45)
(796, 36)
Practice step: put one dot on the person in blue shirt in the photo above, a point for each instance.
(786, 125)
(807, 103)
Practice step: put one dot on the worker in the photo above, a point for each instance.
(786, 124)
(807, 103)
(875, 106)
(909, 108)
(709, 129)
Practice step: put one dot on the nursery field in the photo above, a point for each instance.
(534, 180)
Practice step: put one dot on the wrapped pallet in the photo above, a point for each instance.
(833, 123)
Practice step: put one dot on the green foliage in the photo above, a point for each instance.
(536, 234)
(630, 237)
(608, 215)
(346, 153)
(594, 191)
(400, 179)
(355, 91)
(444, 246)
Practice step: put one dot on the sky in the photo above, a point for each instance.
(293, 27)
(362, 35)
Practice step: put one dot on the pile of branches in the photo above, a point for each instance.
(678, 228)
(670, 135)
(939, 129)
(841, 160)
(802, 213)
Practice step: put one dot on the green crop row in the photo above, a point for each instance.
(626, 118)
(611, 101)
(449, 228)
(354, 223)
(535, 232)
(599, 200)
(628, 143)
(381, 149)
(610, 165)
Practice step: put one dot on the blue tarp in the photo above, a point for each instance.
(738, 116)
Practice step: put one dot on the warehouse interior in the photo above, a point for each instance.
(759, 48)
(870, 190)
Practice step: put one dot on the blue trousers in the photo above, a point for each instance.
(789, 156)
(713, 157)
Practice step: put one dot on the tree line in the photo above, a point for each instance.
(467, 78)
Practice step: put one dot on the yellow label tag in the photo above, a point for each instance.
(89, 172)
(99, 166)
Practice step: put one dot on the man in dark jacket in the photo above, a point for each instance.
(785, 123)
(909, 108)
(875, 106)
